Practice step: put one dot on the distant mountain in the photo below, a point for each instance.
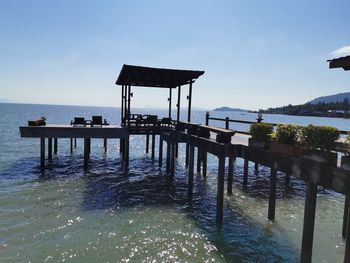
(229, 109)
(332, 98)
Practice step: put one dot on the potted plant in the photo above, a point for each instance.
(260, 133)
(286, 140)
(319, 142)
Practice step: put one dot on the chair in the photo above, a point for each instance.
(78, 121)
(96, 120)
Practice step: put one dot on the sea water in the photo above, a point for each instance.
(103, 214)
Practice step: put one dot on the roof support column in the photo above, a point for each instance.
(122, 106)
(125, 104)
(178, 103)
(189, 97)
(129, 95)
(169, 99)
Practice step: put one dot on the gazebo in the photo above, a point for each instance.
(138, 76)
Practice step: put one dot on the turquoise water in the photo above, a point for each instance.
(68, 214)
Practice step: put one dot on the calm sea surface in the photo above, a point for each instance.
(68, 214)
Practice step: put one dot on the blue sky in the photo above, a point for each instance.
(256, 54)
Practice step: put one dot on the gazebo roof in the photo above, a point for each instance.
(155, 77)
(342, 62)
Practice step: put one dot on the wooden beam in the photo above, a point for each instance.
(147, 143)
(178, 103)
(153, 145)
(122, 106)
(190, 170)
(189, 103)
(245, 171)
(160, 159)
(49, 148)
(170, 100)
(55, 146)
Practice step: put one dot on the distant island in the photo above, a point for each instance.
(230, 109)
(328, 106)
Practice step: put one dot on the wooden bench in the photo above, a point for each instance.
(222, 135)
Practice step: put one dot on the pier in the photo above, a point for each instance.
(225, 143)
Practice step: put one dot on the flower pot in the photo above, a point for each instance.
(319, 156)
(286, 149)
(257, 144)
(345, 162)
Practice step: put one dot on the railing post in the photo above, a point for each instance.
(207, 118)
(227, 123)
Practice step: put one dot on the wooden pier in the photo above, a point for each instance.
(224, 143)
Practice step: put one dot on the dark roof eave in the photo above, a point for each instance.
(342, 62)
(156, 77)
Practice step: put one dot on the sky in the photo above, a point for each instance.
(255, 54)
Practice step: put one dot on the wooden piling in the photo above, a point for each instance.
(153, 145)
(75, 143)
(245, 172)
(122, 147)
(287, 179)
(272, 194)
(49, 148)
(220, 191)
(86, 152)
(187, 154)
(42, 152)
(168, 157)
(160, 159)
(147, 143)
(199, 159)
(105, 144)
(55, 146)
(71, 145)
(190, 170)
(172, 158)
(230, 175)
(309, 223)
(127, 152)
(204, 164)
(346, 216)
(347, 242)
(256, 168)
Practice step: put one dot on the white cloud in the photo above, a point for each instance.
(340, 52)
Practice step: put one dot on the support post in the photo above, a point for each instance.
(122, 147)
(230, 175)
(227, 123)
(55, 146)
(287, 179)
(346, 216)
(178, 103)
(309, 223)
(207, 118)
(153, 145)
(172, 158)
(86, 152)
(272, 194)
(187, 154)
(170, 99)
(205, 160)
(256, 168)
(71, 145)
(42, 153)
(199, 159)
(147, 143)
(220, 191)
(49, 149)
(75, 143)
(105, 144)
(129, 99)
(127, 151)
(168, 157)
(190, 170)
(245, 172)
(189, 97)
(122, 106)
(160, 159)
(347, 242)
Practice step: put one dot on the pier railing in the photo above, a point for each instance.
(227, 122)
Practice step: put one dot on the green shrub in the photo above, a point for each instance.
(260, 131)
(319, 137)
(287, 133)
